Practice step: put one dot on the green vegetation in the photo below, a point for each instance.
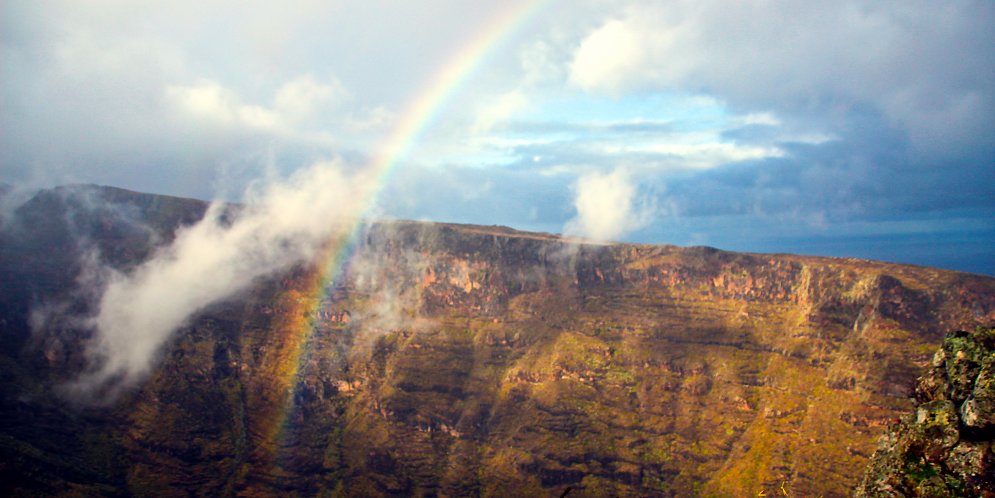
(943, 448)
(478, 361)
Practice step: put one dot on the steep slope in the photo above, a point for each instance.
(453, 360)
(944, 448)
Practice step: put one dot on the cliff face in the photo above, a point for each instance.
(944, 448)
(452, 360)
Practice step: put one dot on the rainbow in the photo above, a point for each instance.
(293, 329)
(424, 111)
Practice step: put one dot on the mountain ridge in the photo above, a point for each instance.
(116, 194)
(470, 360)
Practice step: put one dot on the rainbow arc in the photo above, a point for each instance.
(293, 329)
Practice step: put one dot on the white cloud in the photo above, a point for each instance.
(282, 224)
(540, 62)
(304, 97)
(607, 207)
(377, 119)
(608, 58)
(759, 118)
(699, 155)
(920, 63)
(212, 102)
(294, 103)
(498, 110)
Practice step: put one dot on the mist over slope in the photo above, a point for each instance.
(450, 360)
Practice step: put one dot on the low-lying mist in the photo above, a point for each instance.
(282, 223)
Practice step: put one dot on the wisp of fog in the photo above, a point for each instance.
(608, 207)
(281, 224)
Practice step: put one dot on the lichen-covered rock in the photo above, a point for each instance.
(945, 447)
(978, 411)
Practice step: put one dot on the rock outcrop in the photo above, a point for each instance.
(456, 360)
(945, 447)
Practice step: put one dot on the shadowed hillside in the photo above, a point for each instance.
(452, 360)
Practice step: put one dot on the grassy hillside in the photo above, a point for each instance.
(456, 360)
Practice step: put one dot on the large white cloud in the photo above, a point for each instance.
(926, 65)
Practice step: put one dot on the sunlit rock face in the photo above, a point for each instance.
(451, 360)
(944, 446)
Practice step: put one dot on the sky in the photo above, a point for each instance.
(849, 128)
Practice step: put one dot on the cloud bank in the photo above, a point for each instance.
(282, 224)
(919, 62)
